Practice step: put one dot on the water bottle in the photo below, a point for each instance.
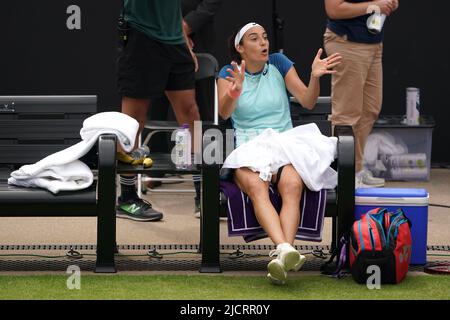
(183, 147)
(412, 106)
(375, 23)
(140, 153)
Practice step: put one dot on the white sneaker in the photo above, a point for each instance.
(277, 273)
(287, 254)
(358, 182)
(299, 264)
(367, 179)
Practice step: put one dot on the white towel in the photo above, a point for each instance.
(382, 143)
(62, 171)
(309, 152)
(74, 175)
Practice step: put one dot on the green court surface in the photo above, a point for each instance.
(194, 287)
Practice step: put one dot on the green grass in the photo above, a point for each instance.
(217, 287)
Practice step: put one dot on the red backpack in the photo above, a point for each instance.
(383, 239)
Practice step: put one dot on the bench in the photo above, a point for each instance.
(340, 202)
(32, 127)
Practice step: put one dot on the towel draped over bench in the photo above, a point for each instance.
(62, 171)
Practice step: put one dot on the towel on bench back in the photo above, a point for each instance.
(242, 220)
(62, 171)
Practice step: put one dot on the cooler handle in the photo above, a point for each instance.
(391, 200)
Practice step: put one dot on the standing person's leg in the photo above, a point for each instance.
(137, 109)
(186, 111)
(159, 143)
(347, 86)
(130, 206)
(373, 99)
(180, 91)
(185, 107)
(142, 71)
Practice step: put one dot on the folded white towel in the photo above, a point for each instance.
(74, 175)
(309, 152)
(62, 170)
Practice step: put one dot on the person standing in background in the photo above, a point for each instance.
(198, 25)
(154, 60)
(357, 86)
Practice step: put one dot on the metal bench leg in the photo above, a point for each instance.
(210, 222)
(106, 243)
(106, 214)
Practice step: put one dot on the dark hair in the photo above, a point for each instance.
(234, 55)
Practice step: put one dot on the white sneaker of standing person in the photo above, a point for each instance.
(358, 183)
(287, 259)
(365, 179)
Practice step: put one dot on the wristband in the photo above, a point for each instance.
(234, 94)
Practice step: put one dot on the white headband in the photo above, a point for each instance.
(241, 32)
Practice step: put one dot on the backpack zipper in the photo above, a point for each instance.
(372, 241)
(398, 226)
(393, 223)
(381, 231)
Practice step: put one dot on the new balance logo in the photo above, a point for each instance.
(133, 208)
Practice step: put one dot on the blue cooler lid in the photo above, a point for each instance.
(391, 193)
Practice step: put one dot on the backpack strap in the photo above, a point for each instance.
(338, 271)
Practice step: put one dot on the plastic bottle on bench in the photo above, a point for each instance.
(183, 147)
(140, 153)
